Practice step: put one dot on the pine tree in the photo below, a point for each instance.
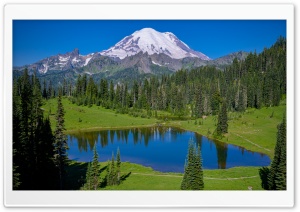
(222, 126)
(277, 175)
(193, 173)
(95, 172)
(44, 90)
(198, 172)
(118, 166)
(112, 176)
(16, 174)
(88, 178)
(215, 102)
(26, 149)
(60, 145)
(263, 173)
(16, 134)
(274, 178)
(198, 102)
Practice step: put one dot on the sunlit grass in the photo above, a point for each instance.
(83, 117)
(138, 177)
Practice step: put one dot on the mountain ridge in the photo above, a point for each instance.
(171, 56)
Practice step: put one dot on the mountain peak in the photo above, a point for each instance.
(76, 51)
(146, 29)
(153, 42)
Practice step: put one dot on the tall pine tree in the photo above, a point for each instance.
(277, 175)
(274, 178)
(60, 145)
(118, 166)
(193, 173)
(95, 169)
(222, 126)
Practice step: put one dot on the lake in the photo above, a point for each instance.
(162, 148)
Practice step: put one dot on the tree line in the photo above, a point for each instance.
(39, 155)
(257, 81)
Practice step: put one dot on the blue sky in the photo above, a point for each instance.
(34, 40)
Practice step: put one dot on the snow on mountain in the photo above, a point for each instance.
(156, 63)
(164, 49)
(151, 41)
(62, 62)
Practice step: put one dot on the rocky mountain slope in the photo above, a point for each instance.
(144, 52)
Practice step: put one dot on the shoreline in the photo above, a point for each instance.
(161, 125)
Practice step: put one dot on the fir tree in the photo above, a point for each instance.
(198, 103)
(274, 178)
(60, 145)
(88, 185)
(16, 174)
(118, 166)
(112, 177)
(33, 166)
(95, 169)
(193, 173)
(222, 126)
(277, 175)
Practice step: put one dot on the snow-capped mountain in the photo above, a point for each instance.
(150, 41)
(61, 62)
(146, 51)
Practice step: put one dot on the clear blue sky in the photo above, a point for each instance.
(38, 39)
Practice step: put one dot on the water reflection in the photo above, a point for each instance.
(162, 148)
(222, 149)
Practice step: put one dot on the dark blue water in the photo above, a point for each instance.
(162, 148)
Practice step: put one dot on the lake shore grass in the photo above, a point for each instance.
(138, 177)
(92, 118)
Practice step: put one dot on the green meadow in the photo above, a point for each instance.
(91, 118)
(134, 176)
(255, 130)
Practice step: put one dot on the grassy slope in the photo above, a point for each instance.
(135, 176)
(254, 130)
(92, 117)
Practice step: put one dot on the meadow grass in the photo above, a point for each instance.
(92, 118)
(254, 129)
(138, 177)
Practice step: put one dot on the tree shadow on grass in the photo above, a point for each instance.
(103, 184)
(75, 175)
(103, 168)
(124, 177)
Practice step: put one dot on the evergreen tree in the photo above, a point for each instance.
(118, 166)
(263, 173)
(88, 178)
(16, 134)
(33, 166)
(95, 169)
(222, 126)
(198, 103)
(112, 176)
(274, 178)
(44, 90)
(60, 145)
(215, 102)
(277, 175)
(193, 173)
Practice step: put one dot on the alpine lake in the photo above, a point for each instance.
(162, 148)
